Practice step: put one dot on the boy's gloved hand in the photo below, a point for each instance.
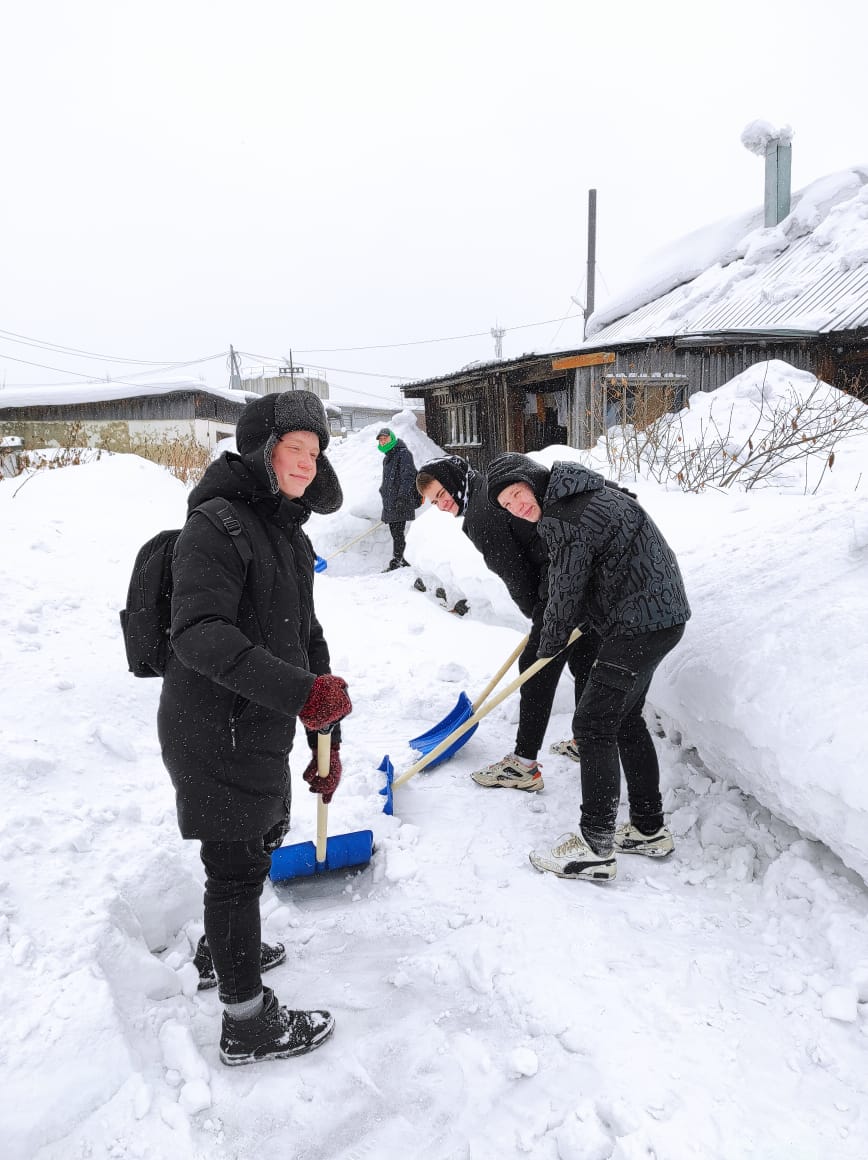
(325, 785)
(327, 703)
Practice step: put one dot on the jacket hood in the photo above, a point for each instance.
(515, 468)
(567, 478)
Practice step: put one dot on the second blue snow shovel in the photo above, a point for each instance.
(463, 711)
(341, 852)
(456, 737)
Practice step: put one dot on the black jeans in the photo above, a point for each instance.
(608, 725)
(537, 696)
(399, 540)
(234, 876)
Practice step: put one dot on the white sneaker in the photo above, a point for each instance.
(573, 858)
(566, 748)
(511, 773)
(629, 840)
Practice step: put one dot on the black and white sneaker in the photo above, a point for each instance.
(275, 1033)
(566, 748)
(510, 773)
(270, 956)
(572, 857)
(629, 840)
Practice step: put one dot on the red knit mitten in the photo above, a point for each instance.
(326, 704)
(325, 785)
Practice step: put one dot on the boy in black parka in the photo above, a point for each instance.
(512, 550)
(249, 657)
(610, 569)
(398, 492)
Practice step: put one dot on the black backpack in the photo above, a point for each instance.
(146, 621)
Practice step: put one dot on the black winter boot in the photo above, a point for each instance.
(270, 956)
(275, 1033)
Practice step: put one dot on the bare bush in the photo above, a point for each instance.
(185, 457)
(785, 431)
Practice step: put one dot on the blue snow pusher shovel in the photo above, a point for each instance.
(342, 852)
(456, 738)
(321, 564)
(463, 711)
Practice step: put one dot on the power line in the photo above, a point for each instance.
(11, 336)
(423, 341)
(270, 358)
(90, 377)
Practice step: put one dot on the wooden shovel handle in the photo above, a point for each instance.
(476, 717)
(495, 680)
(323, 758)
(361, 536)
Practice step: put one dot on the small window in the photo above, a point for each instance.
(641, 399)
(463, 425)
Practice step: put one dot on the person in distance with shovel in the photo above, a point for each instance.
(610, 569)
(514, 552)
(248, 658)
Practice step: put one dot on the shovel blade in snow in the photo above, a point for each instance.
(425, 742)
(386, 767)
(343, 852)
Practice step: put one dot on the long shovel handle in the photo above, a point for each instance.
(477, 717)
(323, 758)
(361, 536)
(495, 680)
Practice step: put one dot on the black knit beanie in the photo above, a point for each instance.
(515, 468)
(264, 421)
(452, 472)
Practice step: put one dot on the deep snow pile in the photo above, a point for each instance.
(711, 1006)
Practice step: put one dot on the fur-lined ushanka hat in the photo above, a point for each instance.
(264, 421)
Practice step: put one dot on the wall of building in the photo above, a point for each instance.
(703, 368)
(130, 435)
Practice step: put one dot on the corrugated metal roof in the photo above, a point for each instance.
(803, 289)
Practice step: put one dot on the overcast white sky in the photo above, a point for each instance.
(181, 176)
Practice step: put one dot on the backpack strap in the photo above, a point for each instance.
(222, 514)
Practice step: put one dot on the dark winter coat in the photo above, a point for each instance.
(246, 648)
(510, 547)
(398, 489)
(609, 565)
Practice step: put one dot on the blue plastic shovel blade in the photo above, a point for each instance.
(386, 767)
(425, 742)
(319, 564)
(343, 852)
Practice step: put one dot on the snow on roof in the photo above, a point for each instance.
(809, 273)
(96, 392)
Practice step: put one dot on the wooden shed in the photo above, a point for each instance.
(723, 300)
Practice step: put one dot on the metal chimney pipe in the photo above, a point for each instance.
(779, 163)
(592, 258)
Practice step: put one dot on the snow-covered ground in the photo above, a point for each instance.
(711, 1006)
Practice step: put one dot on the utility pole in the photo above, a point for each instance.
(234, 371)
(592, 259)
(497, 333)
